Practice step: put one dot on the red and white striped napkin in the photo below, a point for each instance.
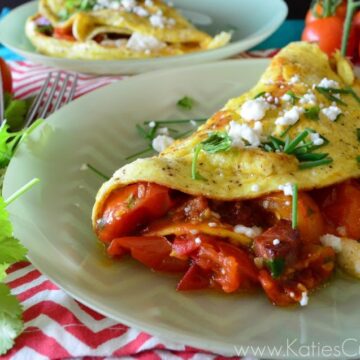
(57, 326)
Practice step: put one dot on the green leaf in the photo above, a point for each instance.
(186, 103)
(6, 229)
(276, 267)
(15, 114)
(312, 113)
(11, 323)
(11, 250)
(3, 268)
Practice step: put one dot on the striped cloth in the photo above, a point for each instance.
(57, 326)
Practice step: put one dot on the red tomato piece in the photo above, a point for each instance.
(340, 12)
(64, 33)
(152, 251)
(194, 279)
(327, 32)
(130, 207)
(310, 220)
(6, 76)
(340, 205)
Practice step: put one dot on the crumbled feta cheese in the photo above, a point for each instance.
(254, 110)
(287, 189)
(255, 188)
(128, 4)
(157, 20)
(269, 98)
(308, 98)
(240, 132)
(140, 11)
(276, 242)
(304, 299)
(295, 79)
(163, 131)
(193, 123)
(331, 112)
(250, 232)
(286, 97)
(290, 117)
(328, 83)
(140, 42)
(197, 241)
(212, 224)
(332, 241)
(149, 3)
(84, 167)
(161, 142)
(276, 101)
(316, 139)
(152, 124)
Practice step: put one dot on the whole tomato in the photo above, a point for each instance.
(6, 76)
(327, 32)
(340, 12)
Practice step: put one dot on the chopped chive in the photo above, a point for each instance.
(311, 156)
(326, 92)
(276, 266)
(277, 143)
(98, 172)
(294, 213)
(194, 173)
(186, 103)
(292, 96)
(312, 113)
(311, 164)
(355, 95)
(268, 148)
(260, 94)
(295, 142)
(175, 121)
(142, 152)
(286, 130)
(216, 142)
(21, 191)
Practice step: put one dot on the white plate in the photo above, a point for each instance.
(53, 222)
(251, 22)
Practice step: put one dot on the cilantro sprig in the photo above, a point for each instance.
(11, 251)
(186, 103)
(216, 142)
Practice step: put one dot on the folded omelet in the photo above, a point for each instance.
(114, 29)
(297, 128)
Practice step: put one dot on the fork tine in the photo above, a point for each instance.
(50, 97)
(37, 102)
(72, 90)
(61, 93)
(2, 106)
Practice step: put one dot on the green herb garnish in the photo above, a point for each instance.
(186, 103)
(294, 212)
(328, 93)
(216, 142)
(312, 113)
(276, 267)
(293, 97)
(260, 94)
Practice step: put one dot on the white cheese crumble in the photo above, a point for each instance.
(161, 142)
(255, 188)
(276, 242)
(149, 3)
(332, 241)
(140, 11)
(152, 124)
(84, 167)
(239, 133)
(128, 4)
(193, 123)
(295, 79)
(331, 112)
(308, 98)
(160, 21)
(287, 189)
(290, 117)
(140, 42)
(304, 299)
(197, 241)
(212, 224)
(328, 83)
(316, 139)
(250, 232)
(254, 110)
(286, 97)
(163, 131)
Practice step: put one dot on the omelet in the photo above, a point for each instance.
(275, 172)
(115, 29)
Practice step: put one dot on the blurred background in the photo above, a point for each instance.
(297, 8)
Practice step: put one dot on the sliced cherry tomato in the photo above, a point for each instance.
(340, 205)
(310, 221)
(327, 32)
(340, 12)
(6, 76)
(152, 251)
(286, 246)
(194, 279)
(184, 246)
(63, 33)
(130, 207)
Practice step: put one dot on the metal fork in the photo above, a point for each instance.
(47, 100)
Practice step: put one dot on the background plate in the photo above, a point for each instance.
(53, 222)
(251, 21)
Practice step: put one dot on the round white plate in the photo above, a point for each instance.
(53, 222)
(251, 22)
